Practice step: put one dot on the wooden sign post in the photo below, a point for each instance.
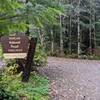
(29, 60)
(20, 47)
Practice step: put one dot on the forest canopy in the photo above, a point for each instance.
(62, 26)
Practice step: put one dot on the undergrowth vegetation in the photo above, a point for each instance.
(40, 57)
(11, 87)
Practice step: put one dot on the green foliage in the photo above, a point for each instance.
(11, 69)
(93, 57)
(11, 86)
(40, 56)
(1, 52)
(74, 56)
(5, 95)
(10, 17)
(15, 14)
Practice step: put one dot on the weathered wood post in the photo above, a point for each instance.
(29, 60)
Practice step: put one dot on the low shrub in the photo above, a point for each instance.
(12, 88)
(6, 95)
(40, 58)
(74, 56)
(93, 57)
(1, 52)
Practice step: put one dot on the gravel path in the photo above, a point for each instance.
(73, 79)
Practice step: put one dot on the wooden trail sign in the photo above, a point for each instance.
(15, 46)
(19, 47)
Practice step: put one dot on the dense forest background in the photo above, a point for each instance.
(63, 27)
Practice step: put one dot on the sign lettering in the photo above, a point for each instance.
(14, 46)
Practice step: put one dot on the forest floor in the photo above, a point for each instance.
(72, 79)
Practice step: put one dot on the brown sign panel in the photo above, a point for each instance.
(14, 46)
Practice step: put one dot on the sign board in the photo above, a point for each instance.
(15, 46)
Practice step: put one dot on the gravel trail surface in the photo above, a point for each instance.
(73, 79)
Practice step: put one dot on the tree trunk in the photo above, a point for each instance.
(61, 33)
(70, 32)
(94, 27)
(27, 22)
(52, 42)
(41, 36)
(90, 29)
(70, 35)
(78, 29)
(61, 38)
